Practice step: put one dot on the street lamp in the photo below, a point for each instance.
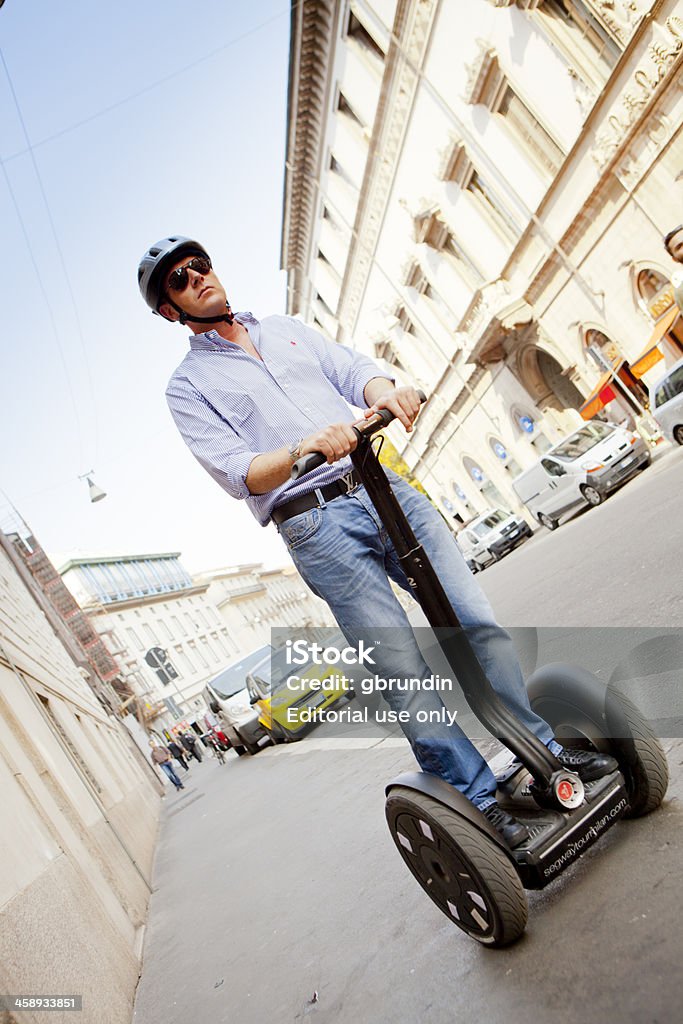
(96, 493)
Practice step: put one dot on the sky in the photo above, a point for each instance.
(121, 124)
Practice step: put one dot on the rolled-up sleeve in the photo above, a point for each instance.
(210, 438)
(348, 370)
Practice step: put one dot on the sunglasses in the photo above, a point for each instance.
(177, 279)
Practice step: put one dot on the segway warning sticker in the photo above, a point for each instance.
(565, 791)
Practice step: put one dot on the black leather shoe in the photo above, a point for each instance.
(512, 831)
(588, 764)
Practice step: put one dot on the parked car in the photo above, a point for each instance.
(489, 536)
(666, 402)
(583, 469)
(228, 698)
(281, 691)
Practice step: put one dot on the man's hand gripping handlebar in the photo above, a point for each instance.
(363, 429)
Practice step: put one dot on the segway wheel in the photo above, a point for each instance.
(583, 713)
(465, 873)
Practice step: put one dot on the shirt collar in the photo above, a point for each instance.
(211, 341)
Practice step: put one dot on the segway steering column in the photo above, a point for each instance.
(553, 785)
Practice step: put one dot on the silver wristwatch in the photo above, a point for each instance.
(294, 449)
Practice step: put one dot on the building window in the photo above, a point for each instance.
(572, 28)
(134, 638)
(432, 230)
(387, 350)
(460, 494)
(652, 291)
(488, 491)
(325, 308)
(418, 280)
(345, 108)
(501, 452)
(357, 31)
(405, 321)
(195, 650)
(536, 141)
(181, 658)
(149, 633)
(489, 203)
(583, 40)
(180, 628)
(596, 339)
(527, 426)
(331, 219)
(489, 85)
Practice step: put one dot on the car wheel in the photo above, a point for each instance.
(592, 495)
(678, 434)
(275, 734)
(239, 749)
(544, 520)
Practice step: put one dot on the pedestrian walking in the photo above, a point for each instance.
(250, 398)
(189, 741)
(179, 754)
(161, 756)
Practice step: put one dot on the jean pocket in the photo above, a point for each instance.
(301, 528)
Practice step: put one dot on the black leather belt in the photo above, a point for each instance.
(304, 502)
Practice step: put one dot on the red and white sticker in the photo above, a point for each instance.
(565, 791)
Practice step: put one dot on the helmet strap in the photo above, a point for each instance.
(226, 318)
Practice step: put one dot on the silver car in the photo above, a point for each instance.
(666, 403)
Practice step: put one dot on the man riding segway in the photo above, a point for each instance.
(252, 397)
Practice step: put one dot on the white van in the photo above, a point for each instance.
(227, 697)
(581, 470)
(489, 536)
(666, 402)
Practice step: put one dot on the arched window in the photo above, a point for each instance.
(462, 497)
(527, 427)
(488, 491)
(649, 282)
(653, 291)
(597, 339)
(501, 452)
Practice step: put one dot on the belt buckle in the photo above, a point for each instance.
(348, 482)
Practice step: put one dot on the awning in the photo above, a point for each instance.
(602, 394)
(652, 353)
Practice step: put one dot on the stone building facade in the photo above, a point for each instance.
(78, 820)
(476, 193)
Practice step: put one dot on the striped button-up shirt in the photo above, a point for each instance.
(231, 407)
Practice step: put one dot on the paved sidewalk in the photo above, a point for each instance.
(279, 897)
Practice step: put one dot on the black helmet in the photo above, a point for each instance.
(157, 260)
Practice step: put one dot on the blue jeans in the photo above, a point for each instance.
(345, 556)
(168, 769)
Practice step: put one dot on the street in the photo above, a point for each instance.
(279, 895)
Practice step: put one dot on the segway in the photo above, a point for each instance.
(456, 855)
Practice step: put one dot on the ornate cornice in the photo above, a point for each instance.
(620, 17)
(412, 27)
(654, 69)
(313, 24)
(479, 73)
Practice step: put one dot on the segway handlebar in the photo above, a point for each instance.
(363, 429)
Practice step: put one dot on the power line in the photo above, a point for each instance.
(149, 88)
(55, 236)
(51, 315)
